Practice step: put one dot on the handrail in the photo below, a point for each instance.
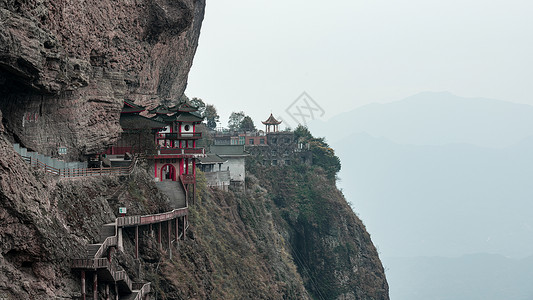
(103, 263)
(179, 135)
(80, 172)
(143, 288)
(182, 151)
(150, 219)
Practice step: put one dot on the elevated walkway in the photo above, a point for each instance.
(72, 169)
(99, 257)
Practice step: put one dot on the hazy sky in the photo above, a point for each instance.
(259, 56)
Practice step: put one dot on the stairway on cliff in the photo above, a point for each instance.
(174, 191)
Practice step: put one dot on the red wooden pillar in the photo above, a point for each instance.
(116, 291)
(83, 290)
(159, 236)
(136, 241)
(95, 286)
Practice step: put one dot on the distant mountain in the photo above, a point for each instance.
(469, 277)
(441, 175)
(431, 118)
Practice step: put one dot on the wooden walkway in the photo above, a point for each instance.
(79, 172)
(99, 257)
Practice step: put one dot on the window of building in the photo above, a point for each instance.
(262, 141)
(251, 141)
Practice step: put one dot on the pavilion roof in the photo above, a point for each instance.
(160, 110)
(164, 118)
(184, 107)
(135, 121)
(211, 159)
(130, 107)
(271, 121)
(188, 117)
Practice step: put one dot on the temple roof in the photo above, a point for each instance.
(164, 118)
(271, 121)
(188, 117)
(130, 107)
(160, 110)
(134, 121)
(184, 107)
(228, 150)
(211, 159)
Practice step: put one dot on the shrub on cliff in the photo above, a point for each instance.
(323, 155)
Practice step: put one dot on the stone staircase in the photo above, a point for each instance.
(174, 191)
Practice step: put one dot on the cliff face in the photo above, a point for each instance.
(66, 66)
(291, 235)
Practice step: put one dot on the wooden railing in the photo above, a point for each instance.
(150, 219)
(179, 136)
(90, 263)
(104, 263)
(143, 288)
(110, 241)
(121, 276)
(80, 172)
(183, 151)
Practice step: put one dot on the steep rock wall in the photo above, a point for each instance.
(66, 66)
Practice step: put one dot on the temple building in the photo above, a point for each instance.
(137, 131)
(168, 140)
(177, 152)
(271, 124)
(280, 148)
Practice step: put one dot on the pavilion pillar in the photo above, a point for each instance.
(159, 237)
(136, 242)
(151, 231)
(116, 291)
(95, 286)
(83, 290)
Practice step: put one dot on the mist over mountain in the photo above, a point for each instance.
(441, 176)
(432, 118)
(469, 277)
(441, 200)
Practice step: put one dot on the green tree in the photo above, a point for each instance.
(323, 155)
(200, 104)
(235, 120)
(247, 124)
(211, 116)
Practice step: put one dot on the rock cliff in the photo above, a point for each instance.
(66, 66)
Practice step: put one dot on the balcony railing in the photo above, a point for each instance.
(180, 136)
(184, 151)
